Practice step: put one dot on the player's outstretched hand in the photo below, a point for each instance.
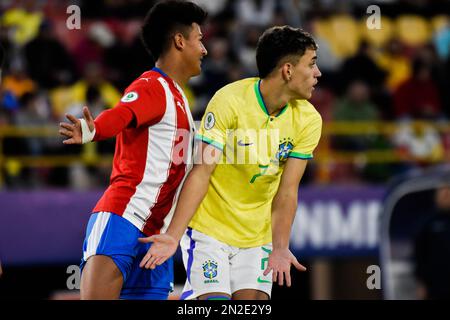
(280, 261)
(72, 131)
(163, 247)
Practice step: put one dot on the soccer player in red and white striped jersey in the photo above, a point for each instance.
(154, 133)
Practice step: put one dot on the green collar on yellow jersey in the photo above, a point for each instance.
(261, 103)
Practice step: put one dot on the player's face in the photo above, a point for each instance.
(304, 75)
(195, 50)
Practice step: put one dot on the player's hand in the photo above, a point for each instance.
(72, 131)
(163, 247)
(280, 261)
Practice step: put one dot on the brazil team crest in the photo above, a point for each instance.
(210, 271)
(284, 149)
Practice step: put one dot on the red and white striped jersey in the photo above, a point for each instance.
(152, 156)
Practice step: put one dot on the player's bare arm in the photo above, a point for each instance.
(75, 130)
(192, 194)
(284, 207)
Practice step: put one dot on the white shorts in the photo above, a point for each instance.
(213, 266)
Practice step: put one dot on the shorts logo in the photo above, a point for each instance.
(210, 121)
(210, 271)
(129, 97)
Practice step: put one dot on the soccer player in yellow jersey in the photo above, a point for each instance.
(236, 208)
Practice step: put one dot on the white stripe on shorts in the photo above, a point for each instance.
(96, 234)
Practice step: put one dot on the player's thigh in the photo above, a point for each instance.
(247, 273)
(250, 294)
(214, 296)
(100, 279)
(108, 252)
(207, 265)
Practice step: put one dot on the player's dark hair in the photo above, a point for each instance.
(278, 43)
(164, 20)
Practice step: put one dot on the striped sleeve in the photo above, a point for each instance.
(217, 120)
(308, 138)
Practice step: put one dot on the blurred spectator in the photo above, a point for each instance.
(293, 11)
(118, 57)
(418, 96)
(18, 82)
(395, 63)
(93, 100)
(357, 106)
(24, 20)
(115, 8)
(35, 112)
(65, 97)
(442, 41)
(92, 48)
(362, 66)
(48, 62)
(212, 7)
(216, 65)
(245, 42)
(255, 12)
(432, 250)
(419, 141)
(8, 48)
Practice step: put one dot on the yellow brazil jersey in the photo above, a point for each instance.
(237, 207)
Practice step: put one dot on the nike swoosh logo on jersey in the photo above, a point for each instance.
(244, 144)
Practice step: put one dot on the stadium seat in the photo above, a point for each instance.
(413, 30)
(345, 35)
(377, 37)
(439, 22)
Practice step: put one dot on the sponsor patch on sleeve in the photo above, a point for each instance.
(130, 96)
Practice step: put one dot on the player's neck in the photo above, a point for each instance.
(273, 94)
(173, 70)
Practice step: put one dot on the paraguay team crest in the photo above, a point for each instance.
(284, 149)
(210, 270)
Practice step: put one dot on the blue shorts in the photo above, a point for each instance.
(113, 236)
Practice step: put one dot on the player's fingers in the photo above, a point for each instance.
(280, 278)
(71, 118)
(151, 263)
(288, 278)
(66, 133)
(159, 261)
(88, 117)
(66, 126)
(274, 275)
(144, 260)
(69, 141)
(145, 240)
(267, 271)
(298, 266)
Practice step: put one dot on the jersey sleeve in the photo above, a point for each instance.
(219, 117)
(112, 121)
(308, 138)
(147, 101)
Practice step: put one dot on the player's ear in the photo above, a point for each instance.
(286, 71)
(178, 40)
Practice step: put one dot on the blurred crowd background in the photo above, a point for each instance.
(390, 83)
(384, 93)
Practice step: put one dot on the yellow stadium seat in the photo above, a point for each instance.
(345, 35)
(413, 30)
(377, 37)
(439, 22)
